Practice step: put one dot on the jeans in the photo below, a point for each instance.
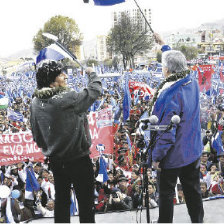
(189, 178)
(78, 172)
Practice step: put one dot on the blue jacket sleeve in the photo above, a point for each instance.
(165, 140)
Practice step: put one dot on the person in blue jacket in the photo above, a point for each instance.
(176, 153)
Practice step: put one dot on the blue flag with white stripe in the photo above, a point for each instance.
(52, 52)
(107, 2)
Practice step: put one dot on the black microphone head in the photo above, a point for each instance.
(175, 119)
(153, 119)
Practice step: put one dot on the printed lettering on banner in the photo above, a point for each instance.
(15, 148)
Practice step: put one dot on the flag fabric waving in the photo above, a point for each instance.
(31, 183)
(102, 176)
(52, 52)
(217, 143)
(74, 210)
(107, 2)
(14, 116)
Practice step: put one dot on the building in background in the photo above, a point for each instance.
(95, 49)
(207, 38)
(134, 13)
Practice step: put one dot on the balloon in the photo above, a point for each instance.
(15, 194)
(4, 191)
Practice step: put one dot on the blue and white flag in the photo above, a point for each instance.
(14, 116)
(52, 52)
(74, 205)
(31, 183)
(107, 2)
(102, 175)
(217, 143)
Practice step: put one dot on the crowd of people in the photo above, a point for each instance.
(123, 189)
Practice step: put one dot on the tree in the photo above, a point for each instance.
(108, 62)
(64, 28)
(189, 51)
(129, 38)
(90, 62)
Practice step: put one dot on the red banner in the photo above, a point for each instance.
(204, 77)
(15, 148)
(221, 74)
(142, 88)
(101, 131)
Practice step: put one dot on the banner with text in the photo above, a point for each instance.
(15, 148)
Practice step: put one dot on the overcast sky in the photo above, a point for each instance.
(21, 19)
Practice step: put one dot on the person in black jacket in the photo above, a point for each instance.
(60, 127)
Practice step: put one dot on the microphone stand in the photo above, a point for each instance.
(144, 164)
(144, 181)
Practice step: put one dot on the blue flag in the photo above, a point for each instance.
(31, 181)
(217, 143)
(126, 100)
(102, 175)
(107, 2)
(73, 205)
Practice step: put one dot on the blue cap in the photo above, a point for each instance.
(165, 48)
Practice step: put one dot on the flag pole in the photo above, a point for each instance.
(144, 17)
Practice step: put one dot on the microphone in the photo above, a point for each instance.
(175, 119)
(153, 119)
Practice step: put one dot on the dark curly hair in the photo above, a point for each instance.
(47, 73)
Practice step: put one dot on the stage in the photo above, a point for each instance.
(213, 214)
